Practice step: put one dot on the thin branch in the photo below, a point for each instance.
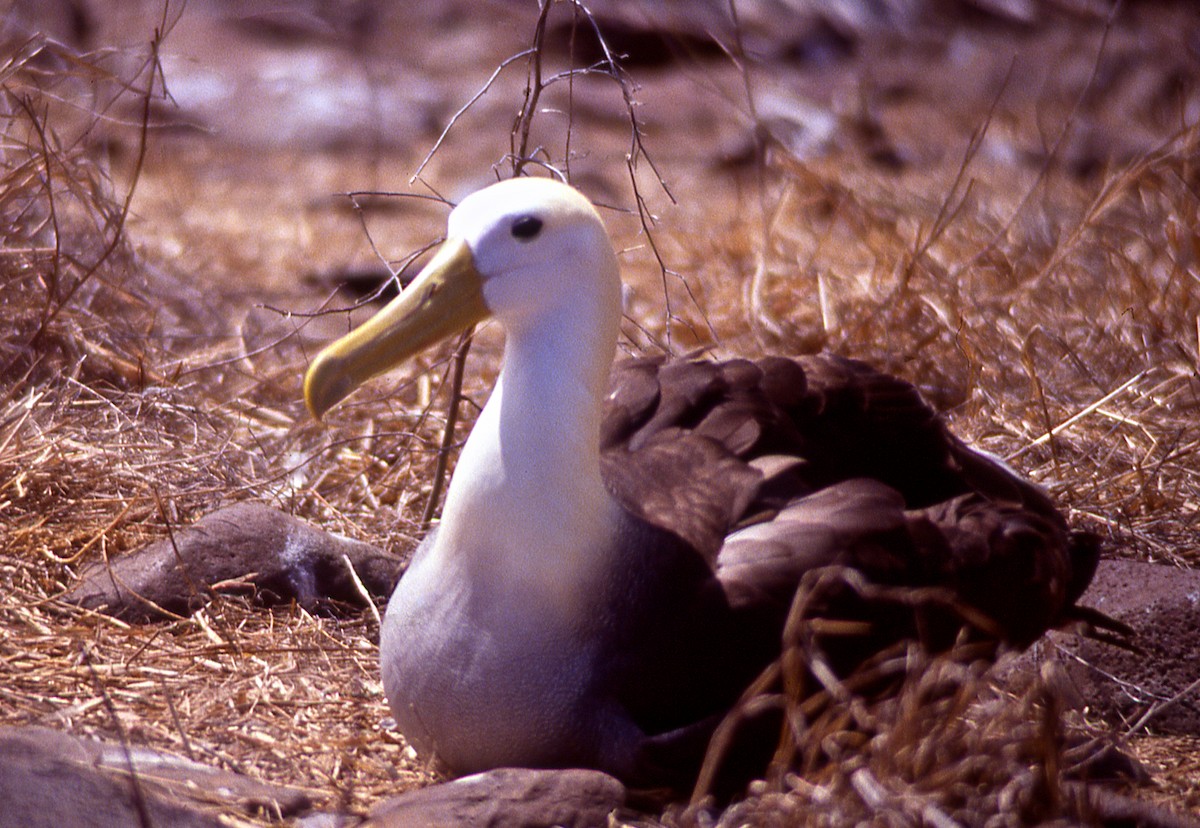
(39, 126)
(118, 231)
(519, 146)
(443, 457)
(504, 64)
(135, 782)
(1052, 155)
(361, 589)
(1074, 418)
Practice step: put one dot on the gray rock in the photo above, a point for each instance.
(244, 548)
(57, 780)
(506, 798)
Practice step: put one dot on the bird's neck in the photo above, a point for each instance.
(527, 503)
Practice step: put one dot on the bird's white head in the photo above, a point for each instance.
(531, 252)
(537, 244)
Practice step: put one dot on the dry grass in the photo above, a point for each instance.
(1055, 319)
(947, 749)
(1069, 349)
(122, 413)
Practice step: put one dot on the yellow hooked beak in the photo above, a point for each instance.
(445, 298)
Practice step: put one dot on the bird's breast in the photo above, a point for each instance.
(484, 676)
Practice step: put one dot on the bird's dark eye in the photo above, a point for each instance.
(526, 227)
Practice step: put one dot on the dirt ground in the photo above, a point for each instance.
(997, 200)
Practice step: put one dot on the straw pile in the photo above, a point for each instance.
(1058, 324)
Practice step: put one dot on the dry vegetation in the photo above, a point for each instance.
(1054, 316)
(1068, 349)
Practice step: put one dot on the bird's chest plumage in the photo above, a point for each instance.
(485, 679)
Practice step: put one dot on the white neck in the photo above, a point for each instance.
(527, 505)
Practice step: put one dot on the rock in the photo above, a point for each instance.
(57, 780)
(1162, 604)
(243, 548)
(506, 798)
(1112, 809)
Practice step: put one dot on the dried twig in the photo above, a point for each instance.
(153, 69)
(135, 782)
(504, 64)
(361, 589)
(439, 472)
(1079, 415)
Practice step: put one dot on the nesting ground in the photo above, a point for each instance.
(998, 201)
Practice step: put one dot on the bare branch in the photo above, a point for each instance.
(504, 64)
(439, 472)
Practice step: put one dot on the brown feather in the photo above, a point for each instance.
(749, 475)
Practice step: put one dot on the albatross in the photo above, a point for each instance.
(620, 546)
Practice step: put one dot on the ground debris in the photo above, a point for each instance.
(247, 549)
(49, 778)
(507, 798)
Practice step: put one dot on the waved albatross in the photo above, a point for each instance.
(619, 547)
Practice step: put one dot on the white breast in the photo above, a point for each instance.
(483, 683)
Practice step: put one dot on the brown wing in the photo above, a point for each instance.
(772, 468)
(743, 477)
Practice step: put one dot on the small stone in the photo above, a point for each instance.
(247, 547)
(507, 798)
(55, 780)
